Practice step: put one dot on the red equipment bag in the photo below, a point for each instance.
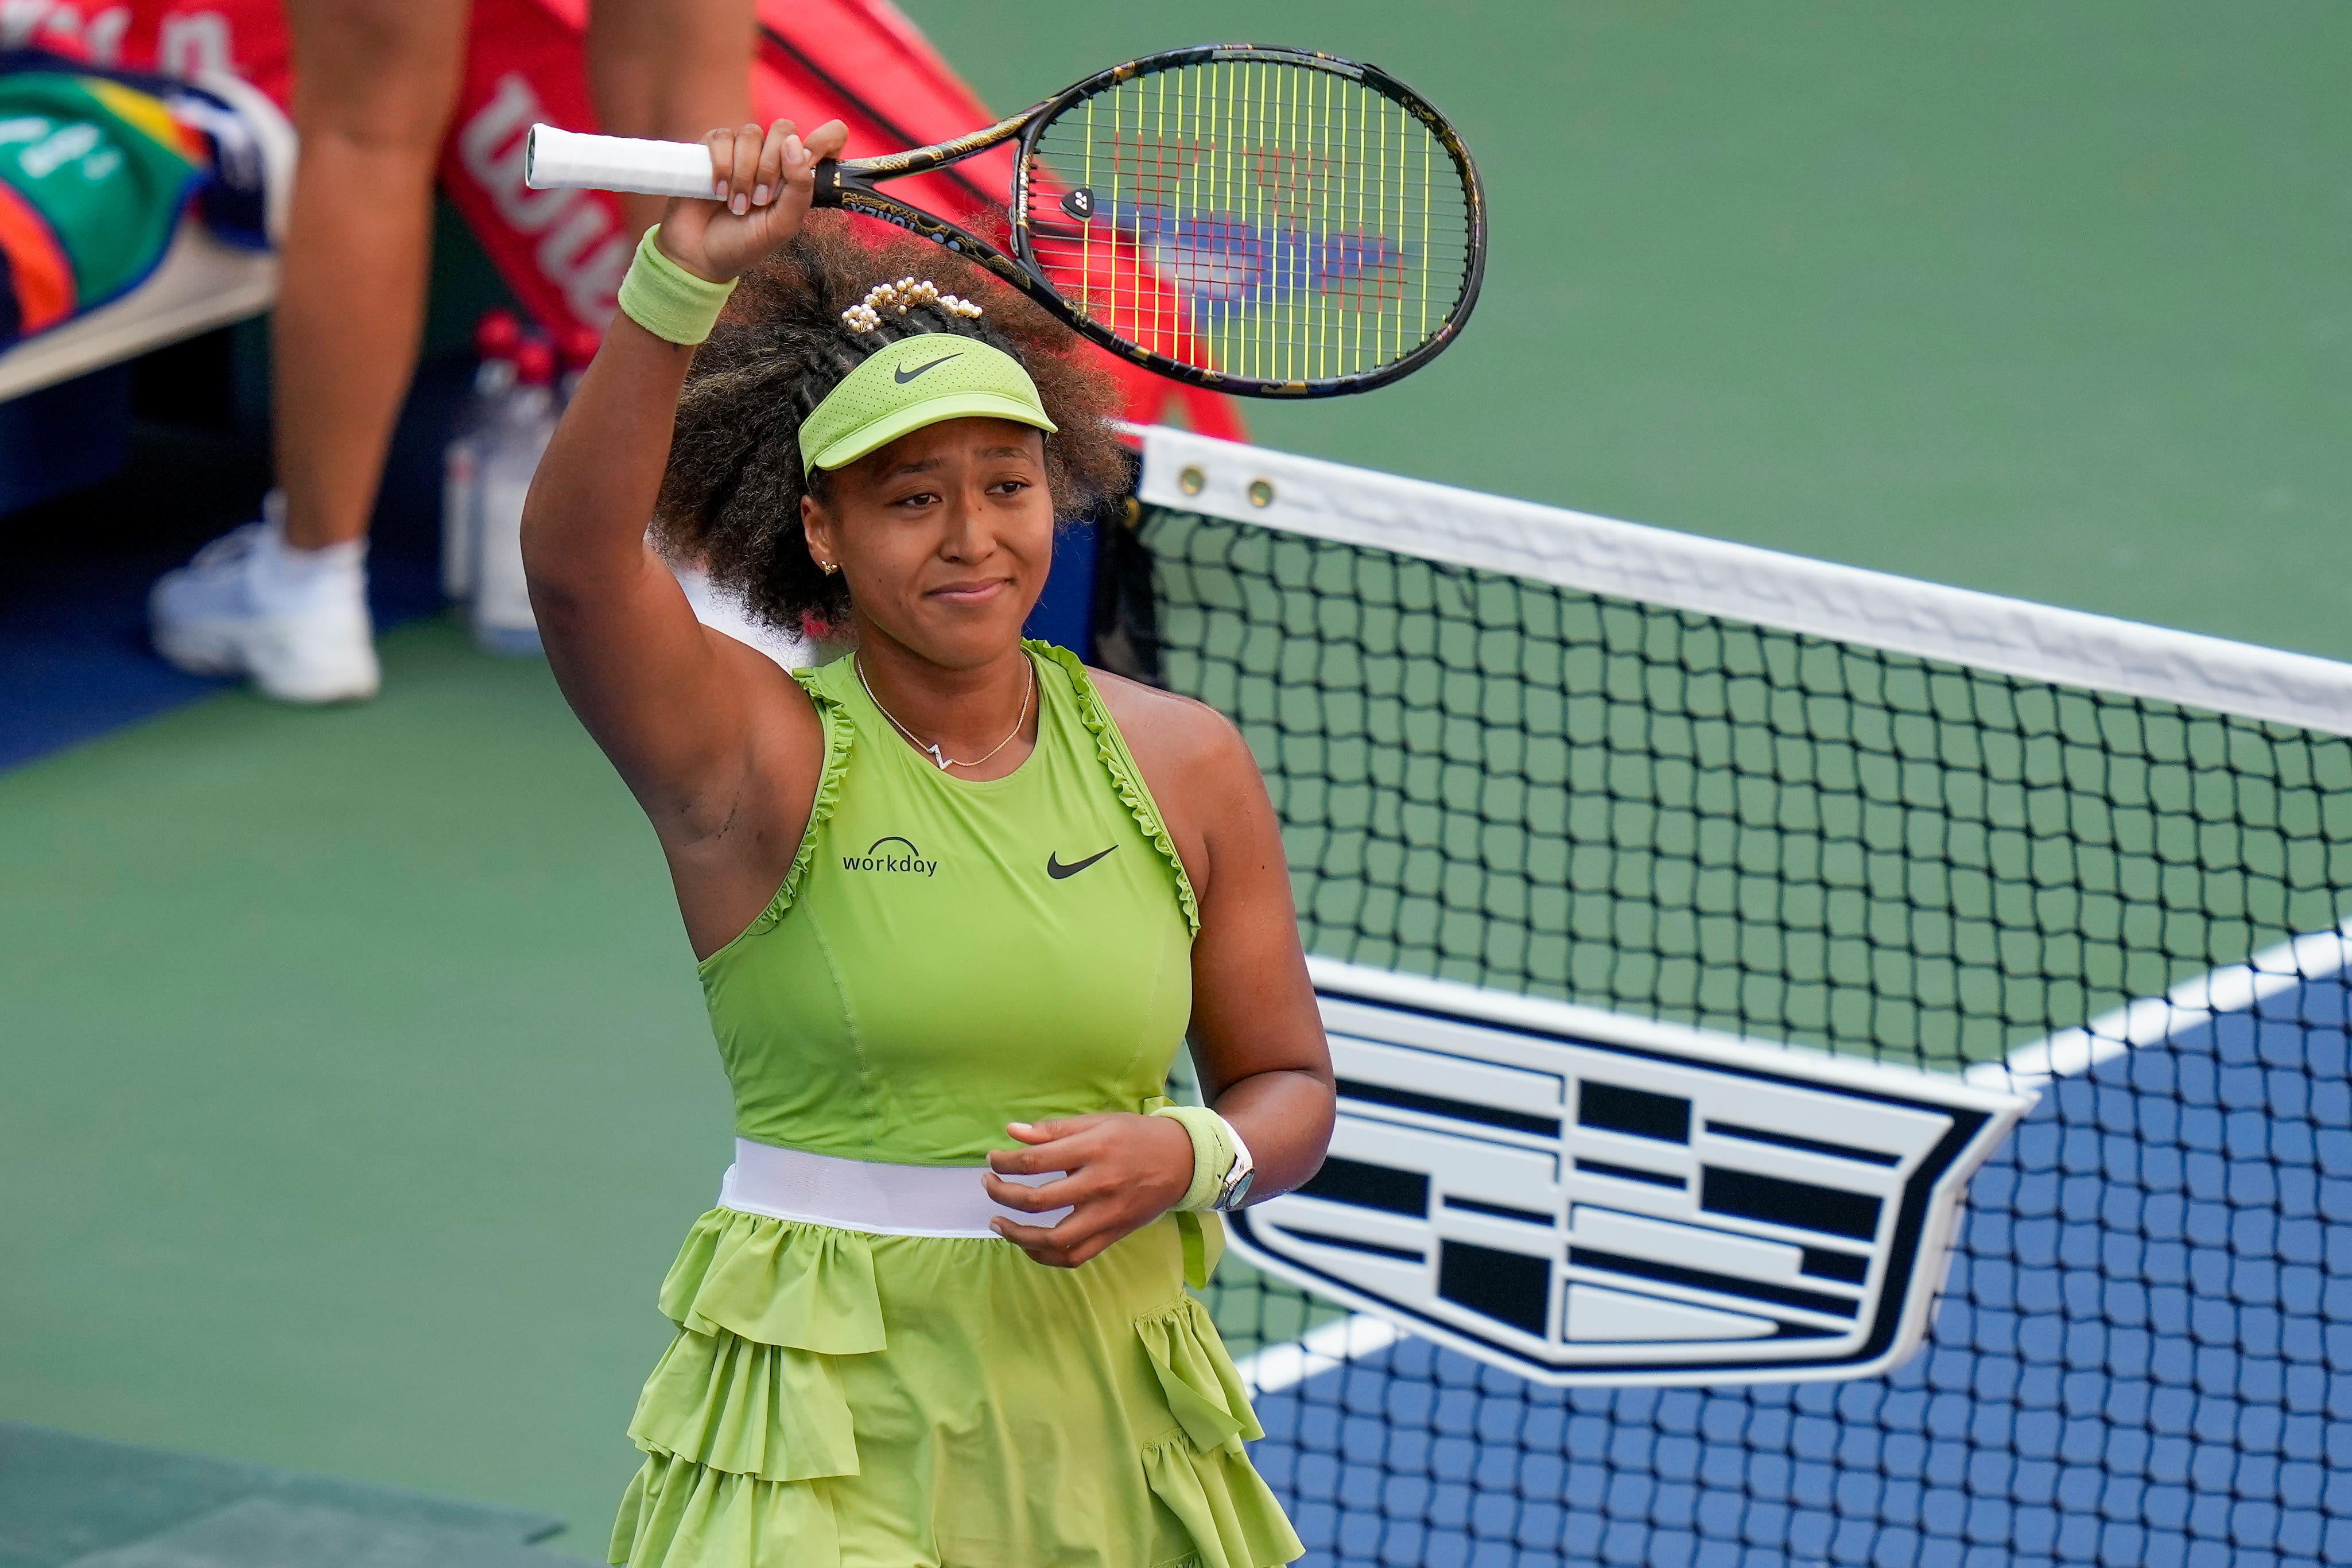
(563, 252)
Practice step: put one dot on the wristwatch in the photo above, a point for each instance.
(1233, 1186)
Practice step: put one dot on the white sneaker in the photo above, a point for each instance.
(294, 620)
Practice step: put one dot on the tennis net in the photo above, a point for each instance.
(1553, 754)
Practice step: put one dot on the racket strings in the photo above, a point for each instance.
(1252, 218)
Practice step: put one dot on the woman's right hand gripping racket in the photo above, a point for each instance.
(1264, 221)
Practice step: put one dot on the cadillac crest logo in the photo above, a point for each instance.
(1584, 1197)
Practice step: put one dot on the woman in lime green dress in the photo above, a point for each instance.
(957, 901)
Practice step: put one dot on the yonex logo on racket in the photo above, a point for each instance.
(879, 856)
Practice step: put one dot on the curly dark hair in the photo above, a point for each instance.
(731, 498)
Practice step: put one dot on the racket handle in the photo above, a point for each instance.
(570, 159)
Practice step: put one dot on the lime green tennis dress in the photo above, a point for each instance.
(932, 968)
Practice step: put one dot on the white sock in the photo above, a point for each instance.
(288, 574)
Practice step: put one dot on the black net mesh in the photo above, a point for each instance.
(2143, 1355)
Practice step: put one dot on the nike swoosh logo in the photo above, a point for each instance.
(903, 377)
(1056, 869)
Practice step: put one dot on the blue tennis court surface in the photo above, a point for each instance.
(2138, 1360)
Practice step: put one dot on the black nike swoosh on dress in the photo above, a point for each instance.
(903, 377)
(1056, 869)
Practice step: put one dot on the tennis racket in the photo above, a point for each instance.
(1265, 221)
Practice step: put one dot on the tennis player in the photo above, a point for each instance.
(956, 899)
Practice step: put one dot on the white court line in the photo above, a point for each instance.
(1316, 1351)
(2234, 988)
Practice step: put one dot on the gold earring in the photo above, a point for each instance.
(828, 567)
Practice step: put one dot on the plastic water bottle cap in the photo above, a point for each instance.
(498, 335)
(535, 364)
(579, 346)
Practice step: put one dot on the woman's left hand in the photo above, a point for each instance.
(1122, 1172)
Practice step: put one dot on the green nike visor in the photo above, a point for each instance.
(918, 381)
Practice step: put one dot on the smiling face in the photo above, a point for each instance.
(944, 537)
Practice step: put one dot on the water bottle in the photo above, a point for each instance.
(502, 619)
(496, 337)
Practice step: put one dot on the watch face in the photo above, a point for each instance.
(1238, 1194)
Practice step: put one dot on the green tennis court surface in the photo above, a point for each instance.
(358, 1089)
(71, 1501)
(2042, 299)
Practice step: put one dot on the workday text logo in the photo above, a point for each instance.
(891, 854)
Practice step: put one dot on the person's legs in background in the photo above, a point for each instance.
(376, 84)
(670, 70)
(284, 600)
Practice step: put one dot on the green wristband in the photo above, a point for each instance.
(666, 299)
(1213, 1151)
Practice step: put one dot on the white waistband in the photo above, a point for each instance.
(861, 1194)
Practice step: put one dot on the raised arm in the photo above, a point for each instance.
(685, 714)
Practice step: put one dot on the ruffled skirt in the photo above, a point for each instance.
(839, 1400)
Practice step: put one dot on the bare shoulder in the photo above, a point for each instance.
(1197, 767)
(1212, 798)
(1172, 737)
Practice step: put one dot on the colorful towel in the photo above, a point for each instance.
(96, 169)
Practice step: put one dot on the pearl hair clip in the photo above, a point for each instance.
(902, 296)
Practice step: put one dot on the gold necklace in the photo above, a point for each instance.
(916, 741)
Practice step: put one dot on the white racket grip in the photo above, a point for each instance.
(572, 160)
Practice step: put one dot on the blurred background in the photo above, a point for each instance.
(354, 1088)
